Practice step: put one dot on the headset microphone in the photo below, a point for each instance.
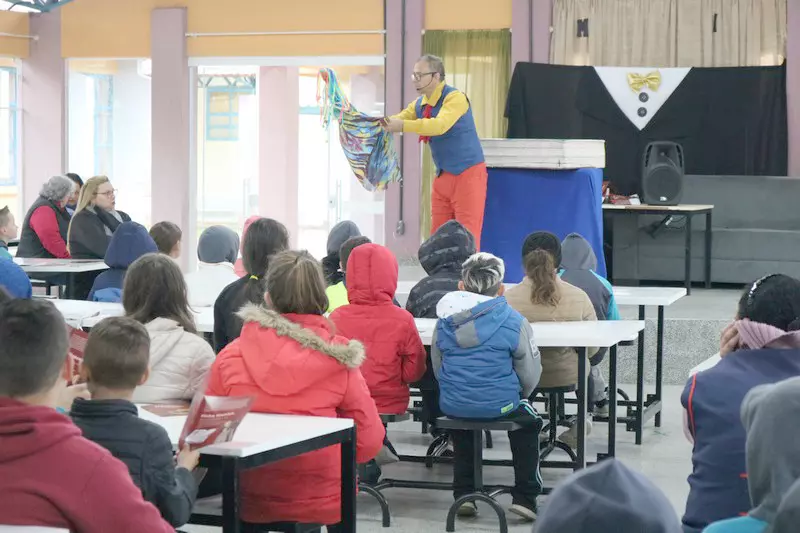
(423, 88)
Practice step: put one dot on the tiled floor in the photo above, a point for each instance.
(665, 458)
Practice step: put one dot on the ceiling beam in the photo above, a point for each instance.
(39, 5)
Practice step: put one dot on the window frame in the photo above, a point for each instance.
(103, 111)
(232, 127)
(13, 138)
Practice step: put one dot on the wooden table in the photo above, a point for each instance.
(70, 267)
(262, 439)
(578, 335)
(688, 211)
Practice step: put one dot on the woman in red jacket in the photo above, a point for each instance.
(289, 358)
(395, 353)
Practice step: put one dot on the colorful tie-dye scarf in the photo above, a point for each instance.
(368, 147)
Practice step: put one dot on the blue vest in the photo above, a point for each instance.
(459, 147)
(713, 400)
(478, 381)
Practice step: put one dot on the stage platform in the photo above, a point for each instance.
(691, 331)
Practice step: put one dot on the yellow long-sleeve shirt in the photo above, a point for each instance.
(453, 108)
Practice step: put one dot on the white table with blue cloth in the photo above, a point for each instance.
(559, 196)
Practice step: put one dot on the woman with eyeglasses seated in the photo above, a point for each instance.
(95, 220)
(91, 228)
(761, 346)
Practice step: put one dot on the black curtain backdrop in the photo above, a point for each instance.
(729, 120)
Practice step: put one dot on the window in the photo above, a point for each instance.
(9, 169)
(222, 111)
(103, 86)
(227, 172)
(10, 183)
(108, 125)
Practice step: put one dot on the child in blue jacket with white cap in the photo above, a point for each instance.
(487, 364)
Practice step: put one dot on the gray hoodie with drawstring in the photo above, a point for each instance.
(769, 414)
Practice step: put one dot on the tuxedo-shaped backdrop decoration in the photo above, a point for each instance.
(730, 121)
(641, 92)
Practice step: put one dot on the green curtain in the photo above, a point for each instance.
(477, 62)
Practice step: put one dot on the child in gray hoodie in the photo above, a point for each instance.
(608, 497)
(769, 414)
(578, 268)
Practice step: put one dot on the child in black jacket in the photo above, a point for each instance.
(441, 256)
(115, 363)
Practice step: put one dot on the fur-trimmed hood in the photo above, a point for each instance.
(286, 354)
(305, 329)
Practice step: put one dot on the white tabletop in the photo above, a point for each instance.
(59, 266)
(595, 334)
(404, 287)
(600, 334)
(258, 432)
(31, 529)
(79, 313)
(662, 208)
(705, 365)
(657, 296)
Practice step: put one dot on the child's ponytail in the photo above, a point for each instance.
(540, 269)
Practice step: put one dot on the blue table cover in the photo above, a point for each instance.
(521, 201)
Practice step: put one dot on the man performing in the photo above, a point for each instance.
(442, 117)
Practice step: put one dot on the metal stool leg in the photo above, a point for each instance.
(381, 499)
(476, 496)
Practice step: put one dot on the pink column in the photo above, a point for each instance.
(393, 74)
(403, 48)
(173, 197)
(541, 20)
(278, 112)
(521, 42)
(43, 97)
(793, 85)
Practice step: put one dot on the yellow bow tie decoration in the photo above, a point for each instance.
(638, 82)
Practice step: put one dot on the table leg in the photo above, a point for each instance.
(70, 286)
(659, 359)
(688, 255)
(580, 462)
(612, 401)
(348, 452)
(708, 250)
(477, 460)
(230, 496)
(640, 381)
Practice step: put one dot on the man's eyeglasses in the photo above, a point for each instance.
(417, 76)
(107, 194)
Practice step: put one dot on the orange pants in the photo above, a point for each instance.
(461, 197)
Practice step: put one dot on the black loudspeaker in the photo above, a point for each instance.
(662, 173)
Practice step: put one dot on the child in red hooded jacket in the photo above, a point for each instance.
(50, 476)
(290, 359)
(395, 353)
